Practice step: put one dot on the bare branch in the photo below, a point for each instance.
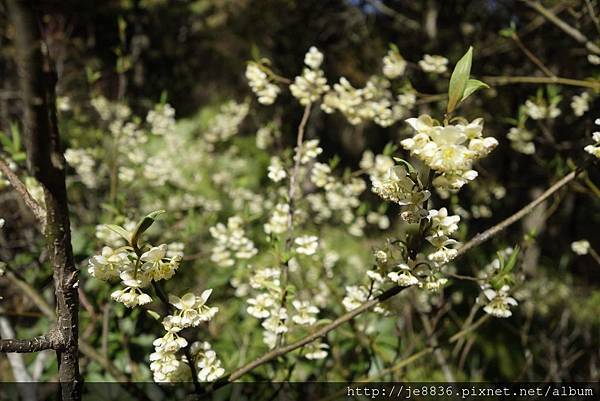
(566, 28)
(491, 232)
(46, 163)
(35, 344)
(402, 19)
(507, 80)
(37, 210)
(534, 59)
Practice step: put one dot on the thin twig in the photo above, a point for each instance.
(534, 59)
(566, 28)
(390, 12)
(509, 80)
(491, 232)
(593, 15)
(292, 204)
(37, 210)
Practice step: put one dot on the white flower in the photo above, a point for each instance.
(434, 284)
(277, 223)
(162, 119)
(192, 309)
(307, 245)
(313, 58)
(276, 322)
(2, 222)
(170, 342)
(442, 223)
(108, 264)
(442, 254)
(157, 265)
(132, 295)
(320, 175)
(435, 64)
(581, 247)
(166, 367)
(276, 170)
(404, 277)
(381, 220)
(594, 149)
(539, 111)
(580, 104)
(521, 140)
(231, 241)
(310, 86)
(263, 88)
(499, 302)
(266, 277)
(355, 297)
(305, 313)
(450, 150)
(309, 151)
(209, 367)
(83, 162)
(593, 59)
(316, 350)
(259, 307)
(227, 122)
(394, 64)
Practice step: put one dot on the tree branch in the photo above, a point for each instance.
(566, 28)
(491, 232)
(51, 340)
(506, 80)
(37, 210)
(46, 163)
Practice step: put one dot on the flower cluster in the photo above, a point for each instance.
(442, 226)
(581, 247)
(267, 134)
(375, 102)
(267, 305)
(312, 84)
(580, 103)
(434, 64)
(394, 64)
(521, 140)
(189, 311)
(594, 149)
(83, 162)
(138, 266)
(540, 109)
(499, 302)
(450, 150)
(135, 271)
(400, 187)
(161, 119)
(226, 123)
(232, 243)
(261, 84)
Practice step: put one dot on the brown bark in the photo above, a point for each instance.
(46, 163)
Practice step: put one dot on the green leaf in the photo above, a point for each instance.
(154, 314)
(472, 86)
(408, 165)
(120, 231)
(458, 80)
(512, 261)
(143, 225)
(16, 137)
